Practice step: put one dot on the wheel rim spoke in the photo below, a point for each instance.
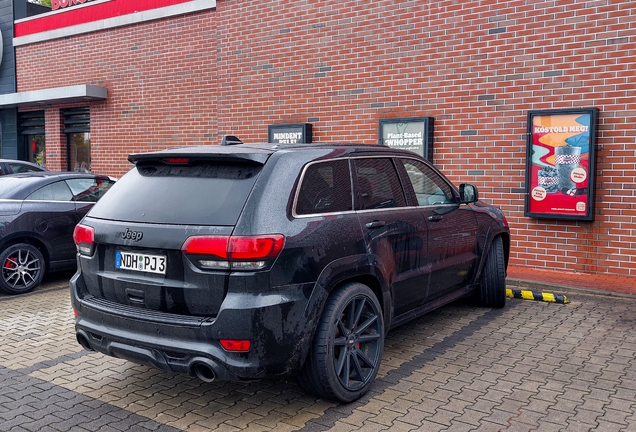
(368, 338)
(12, 261)
(365, 325)
(341, 341)
(364, 358)
(347, 367)
(341, 361)
(13, 275)
(350, 315)
(342, 329)
(358, 312)
(357, 367)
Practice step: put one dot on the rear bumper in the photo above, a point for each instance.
(279, 325)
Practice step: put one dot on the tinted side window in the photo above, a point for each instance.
(325, 188)
(57, 191)
(378, 184)
(429, 187)
(88, 190)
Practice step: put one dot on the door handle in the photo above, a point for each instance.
(435, 218)
(375, 224)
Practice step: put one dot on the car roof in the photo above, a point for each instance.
(55, 174)
(17, 160)
(17, 186)
(22, 162)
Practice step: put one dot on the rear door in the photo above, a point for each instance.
(395, 234)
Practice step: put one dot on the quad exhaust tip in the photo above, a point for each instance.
(204, 372)
(83, 341)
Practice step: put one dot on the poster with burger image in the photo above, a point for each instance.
(560, 164)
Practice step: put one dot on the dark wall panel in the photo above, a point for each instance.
(8, 117)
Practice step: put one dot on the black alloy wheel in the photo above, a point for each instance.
(22, 268)
(347, 349)
(492, 290)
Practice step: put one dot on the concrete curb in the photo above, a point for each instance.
(514, 283)
(538, 296)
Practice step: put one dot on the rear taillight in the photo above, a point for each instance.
(235, 252)
(235, 345)
(84, 238)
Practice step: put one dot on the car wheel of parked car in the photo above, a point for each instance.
(492, 291)
(347, 349)
(22, 268)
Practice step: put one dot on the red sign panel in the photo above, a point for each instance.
(57, 4)
(560, 164)
(74, 12)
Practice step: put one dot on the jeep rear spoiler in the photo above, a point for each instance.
(231, 153)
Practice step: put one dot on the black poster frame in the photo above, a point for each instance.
(407, 140)
(303, 130)
(561, 164)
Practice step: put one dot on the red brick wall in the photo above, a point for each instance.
(476, 66)
(161, 81)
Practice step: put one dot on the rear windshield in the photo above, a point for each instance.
(210, 193)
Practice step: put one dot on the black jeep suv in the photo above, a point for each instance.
(248, 261)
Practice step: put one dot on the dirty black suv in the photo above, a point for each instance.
(249, 261)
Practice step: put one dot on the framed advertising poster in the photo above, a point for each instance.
(415, 134)
(560, 164)
(289, 133)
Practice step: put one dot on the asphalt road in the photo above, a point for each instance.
(532, 366)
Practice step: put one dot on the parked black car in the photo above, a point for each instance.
(38, 212)
(247, 261)
(10, 166)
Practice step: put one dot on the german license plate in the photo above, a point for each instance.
(140, 262)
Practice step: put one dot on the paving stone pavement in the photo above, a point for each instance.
(532, 366)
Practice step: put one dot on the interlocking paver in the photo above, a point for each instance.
(458, 426)
(398, 426)
(531, 366)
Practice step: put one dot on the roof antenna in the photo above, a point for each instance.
(230, 140)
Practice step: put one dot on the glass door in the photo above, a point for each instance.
(79, 151)
(77, 126)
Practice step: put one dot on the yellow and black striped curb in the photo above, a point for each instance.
(539, 296)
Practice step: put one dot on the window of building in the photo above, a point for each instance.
(77, 127)
(31, 125)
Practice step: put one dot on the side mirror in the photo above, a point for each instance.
(468, 193)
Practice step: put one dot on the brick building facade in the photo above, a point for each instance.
(193, 71)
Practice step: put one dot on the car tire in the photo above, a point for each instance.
(22, 268)
(492, 290)
(347, 348)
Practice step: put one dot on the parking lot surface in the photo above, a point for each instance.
(532, 366)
